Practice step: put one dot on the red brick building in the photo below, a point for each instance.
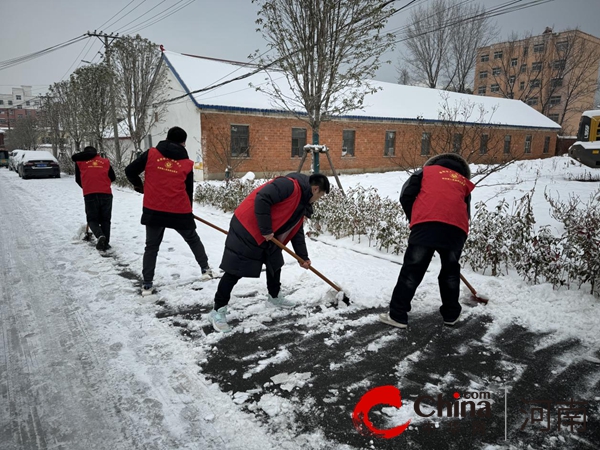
(400, 126)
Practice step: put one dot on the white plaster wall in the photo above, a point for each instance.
(182, 113)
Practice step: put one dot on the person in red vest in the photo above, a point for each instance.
(168, 198)
(95, 175)
(275, 209)
(436, 201)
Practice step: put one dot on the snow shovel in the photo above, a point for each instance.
(474, 296)
(345, 298)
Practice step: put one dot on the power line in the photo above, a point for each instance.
(21, 59)
(139, 26)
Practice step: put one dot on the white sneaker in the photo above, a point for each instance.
(280, 302)
(207, 274)
(147, 289)
(451, 324)
(218, 318)
(385, 318)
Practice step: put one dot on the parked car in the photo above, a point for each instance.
(38, 164)
(12, 159)
(3, 158)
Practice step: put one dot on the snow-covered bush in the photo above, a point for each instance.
(226, 196)
(362, 212)
(581, 237)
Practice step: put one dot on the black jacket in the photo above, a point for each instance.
(86, 156)
(160, 218)
(242, 255)
(435, 234)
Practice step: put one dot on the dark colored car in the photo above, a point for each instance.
(38, 164)
(3, 158)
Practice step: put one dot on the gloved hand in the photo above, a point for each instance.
(139, 189)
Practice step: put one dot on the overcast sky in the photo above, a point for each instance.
(217, 28)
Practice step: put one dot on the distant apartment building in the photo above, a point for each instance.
(555, 73)
(17, 105)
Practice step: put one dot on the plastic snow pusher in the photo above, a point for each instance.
(341, 295)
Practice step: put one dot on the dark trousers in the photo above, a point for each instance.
(229, 280)
(154, 237)
(416, 262)
(98, 212)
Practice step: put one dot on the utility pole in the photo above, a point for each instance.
(104, 40)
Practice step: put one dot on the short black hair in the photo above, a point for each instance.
(177, 135)
(320, 180)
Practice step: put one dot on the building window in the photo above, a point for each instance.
(559, 64)
(483, 144)
(534, 83)
(425, 144)
(481, 90)
(9, 102)
(495, 88)
(555, 100)
(547, 144)
(485, 58)
(525, 50)
(537, 66)
(521, 85)
(498, 54)
(348, 143)
(27, 103)
(539, 48)
(511, 80)
(554, 117)
(483, 75)
(507, 139)
(528, 143)
(240, 138)
(523, 68)
(298, 141)
(1, 102)
(17, 97)
(556, 82)
(514, 62)
(457, 142)
(532, 101)
(390, 143)
(496, 71)
(562, 46)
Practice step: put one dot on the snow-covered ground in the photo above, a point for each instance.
(176, 384)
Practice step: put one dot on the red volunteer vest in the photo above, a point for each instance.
(442, 198)
(164, 185)
(280, 213)
(94, 175)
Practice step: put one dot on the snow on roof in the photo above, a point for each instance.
(123, 131)
(392, 102)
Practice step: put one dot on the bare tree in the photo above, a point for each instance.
(24, 135)
(70, 110)
(403, 76)
(219, 149)
(427, 41)
(467, 129)
(92, 86)
(442, 42)
(50, 118)
(140, 80)
(325, 50)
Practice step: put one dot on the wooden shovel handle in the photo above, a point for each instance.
(471, 288)
(281, 246)
(301, 261)
(206, 222)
